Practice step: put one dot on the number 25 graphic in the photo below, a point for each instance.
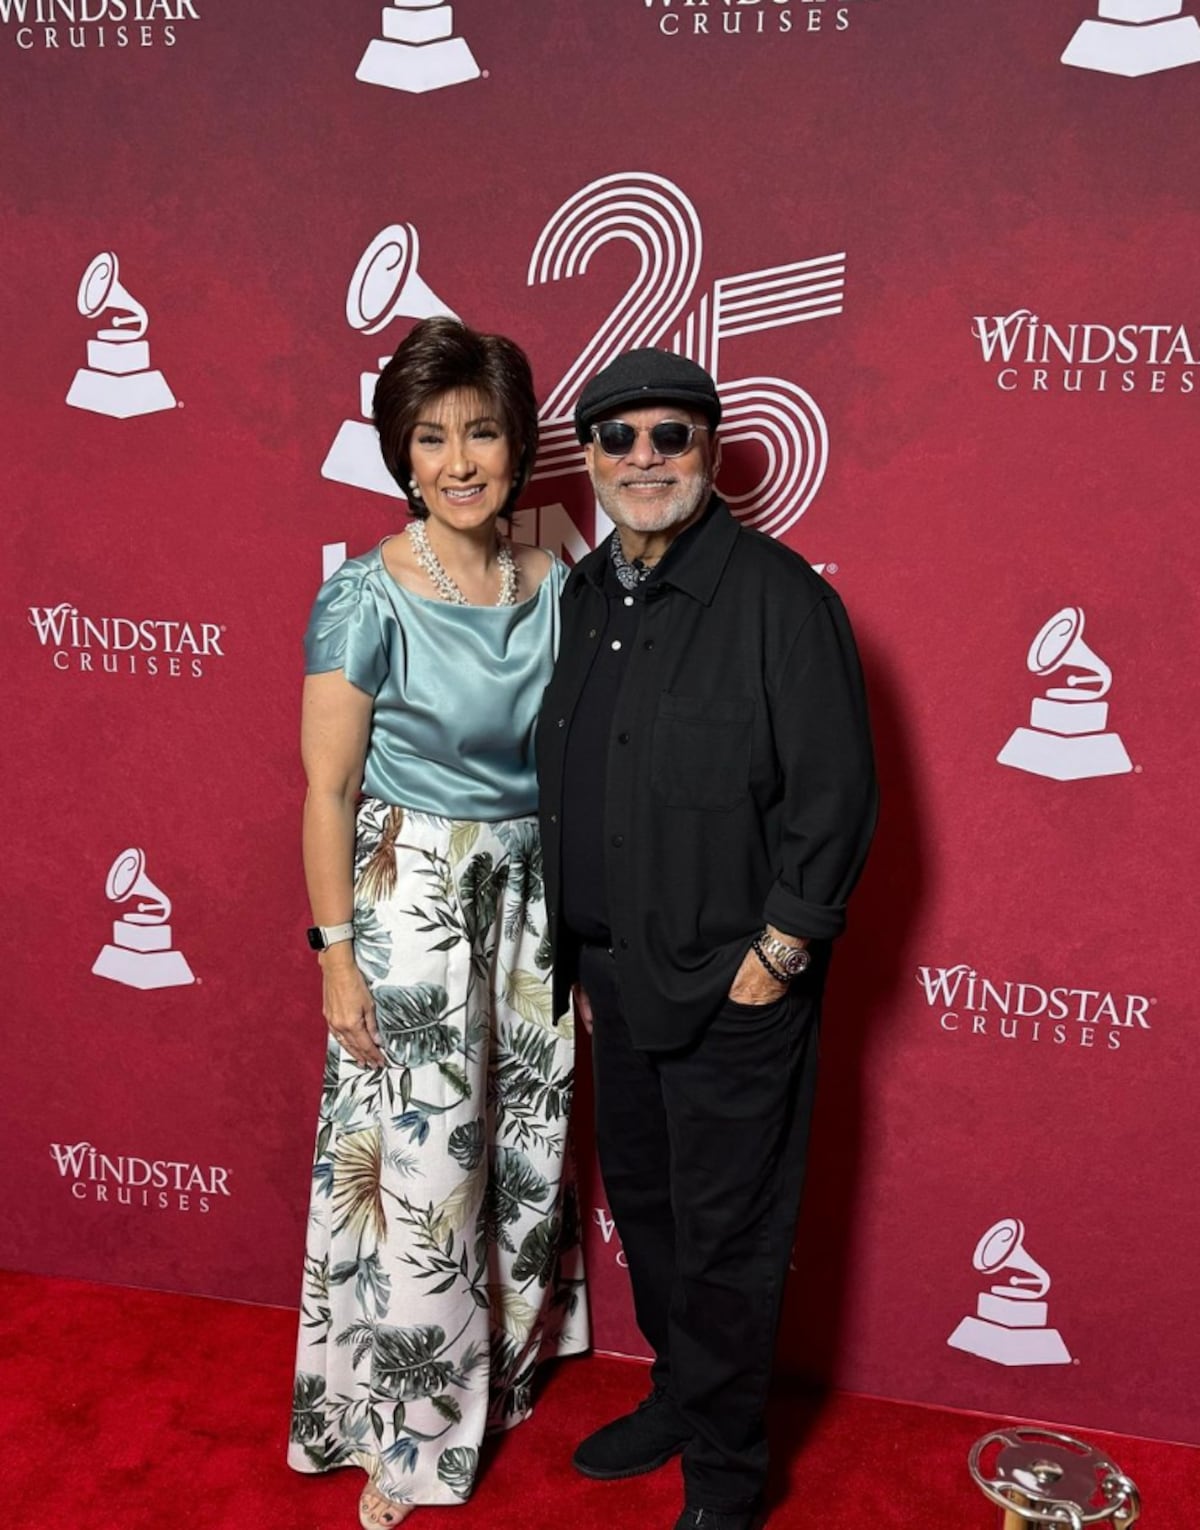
(657, 219)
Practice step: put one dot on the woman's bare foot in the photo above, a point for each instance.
(376, 1511)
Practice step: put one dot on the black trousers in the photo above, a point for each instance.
(702, 1153)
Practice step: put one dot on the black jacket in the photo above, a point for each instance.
(742, 791)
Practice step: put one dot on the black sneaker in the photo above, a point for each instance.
(636, 1443)
(721, 1519)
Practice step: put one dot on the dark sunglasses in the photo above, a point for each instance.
(669, 438)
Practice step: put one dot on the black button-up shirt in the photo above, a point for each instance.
(584, 881)
(739, 788)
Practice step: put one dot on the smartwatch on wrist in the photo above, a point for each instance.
(322, 936)
(791, 960)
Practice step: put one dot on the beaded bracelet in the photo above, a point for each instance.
(780, 977)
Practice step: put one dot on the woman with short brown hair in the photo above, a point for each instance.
(443, 1252)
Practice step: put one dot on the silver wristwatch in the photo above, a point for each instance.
(791, 960)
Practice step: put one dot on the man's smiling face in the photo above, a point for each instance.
(644, 491)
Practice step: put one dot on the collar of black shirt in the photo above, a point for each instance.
(693, 563)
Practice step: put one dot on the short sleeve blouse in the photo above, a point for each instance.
(456, 689)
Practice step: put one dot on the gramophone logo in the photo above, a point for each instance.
(385, 285)
(1135, 37)
(117, 380)
(418, 50)
(1010, 1325)
(1067, 737)
(140, 954)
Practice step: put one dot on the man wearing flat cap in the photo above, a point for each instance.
(707, 799)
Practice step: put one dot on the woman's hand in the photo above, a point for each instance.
(348, 1006)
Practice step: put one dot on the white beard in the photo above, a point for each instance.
(680, 506)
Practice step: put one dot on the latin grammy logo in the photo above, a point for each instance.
(385, 284)
(417, 51)
(1135, 37)
(140, 955)
(117, 380)
(1010, 1325)
(1066, 739)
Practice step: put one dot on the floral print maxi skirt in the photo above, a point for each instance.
(443, 1254)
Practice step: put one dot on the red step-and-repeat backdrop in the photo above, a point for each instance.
(942, 259)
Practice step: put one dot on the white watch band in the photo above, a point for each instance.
(334, 933)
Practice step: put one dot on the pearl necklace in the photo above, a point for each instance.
(441, 580)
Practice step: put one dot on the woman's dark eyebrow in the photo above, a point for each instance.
(483, 419)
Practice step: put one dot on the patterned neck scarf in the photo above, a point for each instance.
(629, 575)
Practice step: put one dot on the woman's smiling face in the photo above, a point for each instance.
(461, 460)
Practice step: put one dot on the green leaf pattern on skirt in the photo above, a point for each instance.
(443, 1254)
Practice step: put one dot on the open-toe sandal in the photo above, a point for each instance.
(392, 1513)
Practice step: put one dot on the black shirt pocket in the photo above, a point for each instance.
(701, 751)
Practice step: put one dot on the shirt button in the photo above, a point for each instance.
(648, 644)
(562, 722)
(616, 644)
(592, 632)
(628, 601)
(622, 738)
(553, 817)
(618, 840)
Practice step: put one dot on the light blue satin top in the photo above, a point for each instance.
(456, 688)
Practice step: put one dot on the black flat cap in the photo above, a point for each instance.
(647, 376)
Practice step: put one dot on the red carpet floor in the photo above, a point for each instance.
(126, 1410)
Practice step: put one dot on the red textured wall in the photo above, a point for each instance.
(834, 206)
